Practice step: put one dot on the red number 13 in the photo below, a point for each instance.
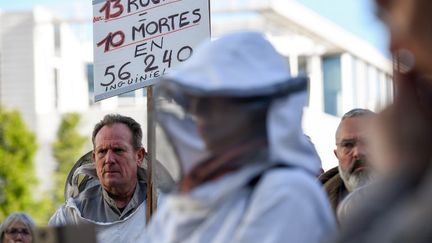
(107, 9)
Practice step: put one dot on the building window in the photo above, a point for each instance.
(288, 63)
(373, 88)
(303, 67)
(56, 88)
(90, 81)
(332, 78)
(355, 81)
(390, 89)
(57, 39)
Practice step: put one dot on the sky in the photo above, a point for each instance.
(355, 16)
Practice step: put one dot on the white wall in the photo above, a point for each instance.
(73, 90)
(321, 128)
(17, 81)
(27, 63)
(43, 61)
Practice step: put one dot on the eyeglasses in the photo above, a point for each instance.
(347, 145)
(14, 232)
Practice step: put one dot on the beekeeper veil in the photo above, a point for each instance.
(235, 85)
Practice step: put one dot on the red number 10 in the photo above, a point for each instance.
(109, 40)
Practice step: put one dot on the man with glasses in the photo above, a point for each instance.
(353, 169)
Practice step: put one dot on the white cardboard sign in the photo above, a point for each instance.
(137, 41)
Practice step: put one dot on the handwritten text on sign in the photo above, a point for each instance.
(136, 41)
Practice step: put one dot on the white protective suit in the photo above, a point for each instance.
(129, 230)
(287, 203)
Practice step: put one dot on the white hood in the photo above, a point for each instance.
(243, 65)
(288, 144)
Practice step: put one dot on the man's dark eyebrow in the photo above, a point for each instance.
(347, 140)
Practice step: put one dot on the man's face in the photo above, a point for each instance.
(116, 159)
(220, 123)
(351, 151)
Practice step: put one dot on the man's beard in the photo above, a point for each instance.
(354, 179)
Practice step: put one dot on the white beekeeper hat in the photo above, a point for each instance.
(242, 65)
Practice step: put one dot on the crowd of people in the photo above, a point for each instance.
(230, 120)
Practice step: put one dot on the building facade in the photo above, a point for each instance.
(345, 72)
(41, 75)
(45, 70)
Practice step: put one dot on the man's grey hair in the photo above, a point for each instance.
(16, 217)
(357, 112)
(112, 119)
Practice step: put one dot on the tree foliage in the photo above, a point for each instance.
(67, 148)
(17, 174)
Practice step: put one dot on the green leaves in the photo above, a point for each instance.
(18, 182)
(17, 177)
(67, 148)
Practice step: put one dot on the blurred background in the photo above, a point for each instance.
(46, 81)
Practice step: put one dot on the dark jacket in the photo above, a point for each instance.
(395, 210)
(334, 186)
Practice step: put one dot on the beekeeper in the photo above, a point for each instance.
(231, 116)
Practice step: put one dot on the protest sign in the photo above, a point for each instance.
(137, 41)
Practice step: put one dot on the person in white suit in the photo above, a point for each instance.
(232, 117)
